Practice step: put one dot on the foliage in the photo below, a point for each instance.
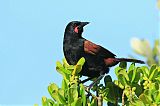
(134, 86)
(71, 92)
(143, 48)
(140, 85)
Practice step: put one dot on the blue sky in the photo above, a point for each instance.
(31, 34)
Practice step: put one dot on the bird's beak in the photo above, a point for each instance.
(83, 24)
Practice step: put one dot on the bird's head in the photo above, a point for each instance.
(75, 27)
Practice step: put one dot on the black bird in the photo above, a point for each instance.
(98, 59)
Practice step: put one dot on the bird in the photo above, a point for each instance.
(98, 59)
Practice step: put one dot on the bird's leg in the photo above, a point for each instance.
(94, 82)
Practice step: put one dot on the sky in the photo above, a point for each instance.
(31, 38)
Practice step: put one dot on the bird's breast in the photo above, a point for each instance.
(73, 51)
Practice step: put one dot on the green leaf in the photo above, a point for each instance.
(61, 96)
(94, 102)
(136, 103)
(122, 80)
(70, 67)
(145, 71)
(130, 74)
(70, 97)
(53, 87)
(107, 78)
(58, 67)
(82, 93)
(78, 67)
(51, 102)
(81, 61)
(64, 84)
(157, 98)
(152, 68)
(145, 99)
(80, 64)
(124, 73)
(138, 90)
(44, 101)
(77, 102)
(153, 72)
(62, 70)
(123, 65)
(117, 70)
(53, 90)
(112, 95)
(118, 84)
(65, 63)
(134, 74)
(105, 91)
(136, 79)
(73, 93)
(131, 67)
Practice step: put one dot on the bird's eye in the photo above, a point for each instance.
(76, 29)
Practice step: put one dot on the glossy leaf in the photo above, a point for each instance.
(80, 64)
(107, 78)
(58, 67)
(145, 99)
(51, 102)
(117, 82)
(61, 69)
(139, 89)
(61, 96)
(53, 90)
(122, 80)
(145, 71)
(124, 73)
(105, 91)
(65, 63)
(77, 102)
(94, 102)
(117, 70)
(82, 93)
(70, 97)
(44, 101)
(153, 72)
(112, 95)
(137, 103)
(81, 61)
(64, 84)
(157, 98)
(130, 74)
(137, 76)
(123, 65)
(131, 67)
(134, 74)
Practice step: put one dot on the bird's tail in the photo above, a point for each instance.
(130, 60)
